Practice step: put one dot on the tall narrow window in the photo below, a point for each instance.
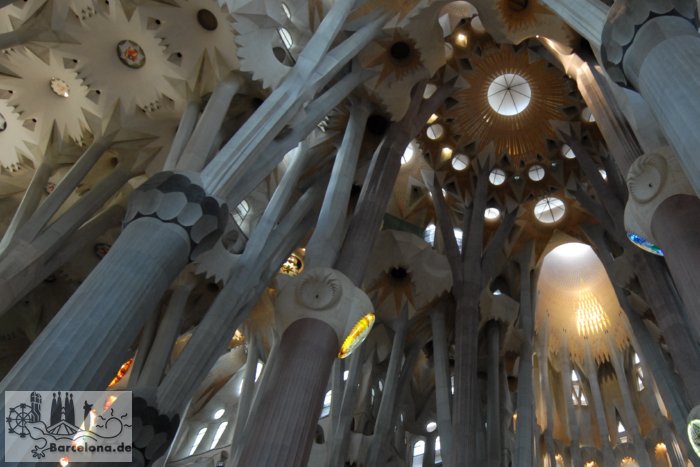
(197, 440)
(438, 453)
(638, 373)
(241, 212)
(327, 404)
(621, 430)
(577, 395)
(418, 453)
(217, 435)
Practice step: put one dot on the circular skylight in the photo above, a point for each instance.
(435, 131)
(218, 414)
(509, 94)
(460, 162)
(567, 152)
(491, 214)
(549, 210)
(536, 173)
(497, 177)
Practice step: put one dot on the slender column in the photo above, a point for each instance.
(184, 131)
(598, 407)
(546, 388)
(442, 384)
(572, 420)
(586, 17)
(632, 421)
(524, 439)
(29, 202)
(493, 394)
(200, 143)
(244, 403)
(596, 90)
(341, 427)
(167, 333)
(389, 396)
(654, 47)
(277, 435)
(325, 243)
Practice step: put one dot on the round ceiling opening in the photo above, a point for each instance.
(549, 210)
(509, 94)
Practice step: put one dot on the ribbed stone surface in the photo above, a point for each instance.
(291, 397)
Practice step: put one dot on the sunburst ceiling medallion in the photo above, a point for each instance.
(510, 102)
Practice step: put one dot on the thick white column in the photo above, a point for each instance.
(586, 17)
(654, 48)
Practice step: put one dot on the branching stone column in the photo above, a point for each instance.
(653, 46)
(661, 209)
(313, 313)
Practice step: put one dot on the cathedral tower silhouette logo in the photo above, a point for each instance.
(45, 426)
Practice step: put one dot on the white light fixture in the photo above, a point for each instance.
(219, 413)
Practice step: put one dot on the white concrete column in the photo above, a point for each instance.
(586, 17)
(654, 47)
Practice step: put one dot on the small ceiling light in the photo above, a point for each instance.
(59, 87)
(567, 152)
(497, 177)
(357, 335)
(433, 118)
(431, 426)
(491, 214)
(435, 131)
(446, 152)
(461, 39)
(64, 462)
(460, 162)
(536, 173)
(219, 413)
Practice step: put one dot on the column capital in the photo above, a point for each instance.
(178, 198)
(634, 27)
(652, 178)
(323, 294)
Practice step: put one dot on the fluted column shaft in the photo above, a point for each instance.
(493, 394)
(571, 418)
(676, 229)
(88, 339)
(281, 432)
(524, 440)
(595, 88)
(586, 17)
(442, 384)
(598, 407)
